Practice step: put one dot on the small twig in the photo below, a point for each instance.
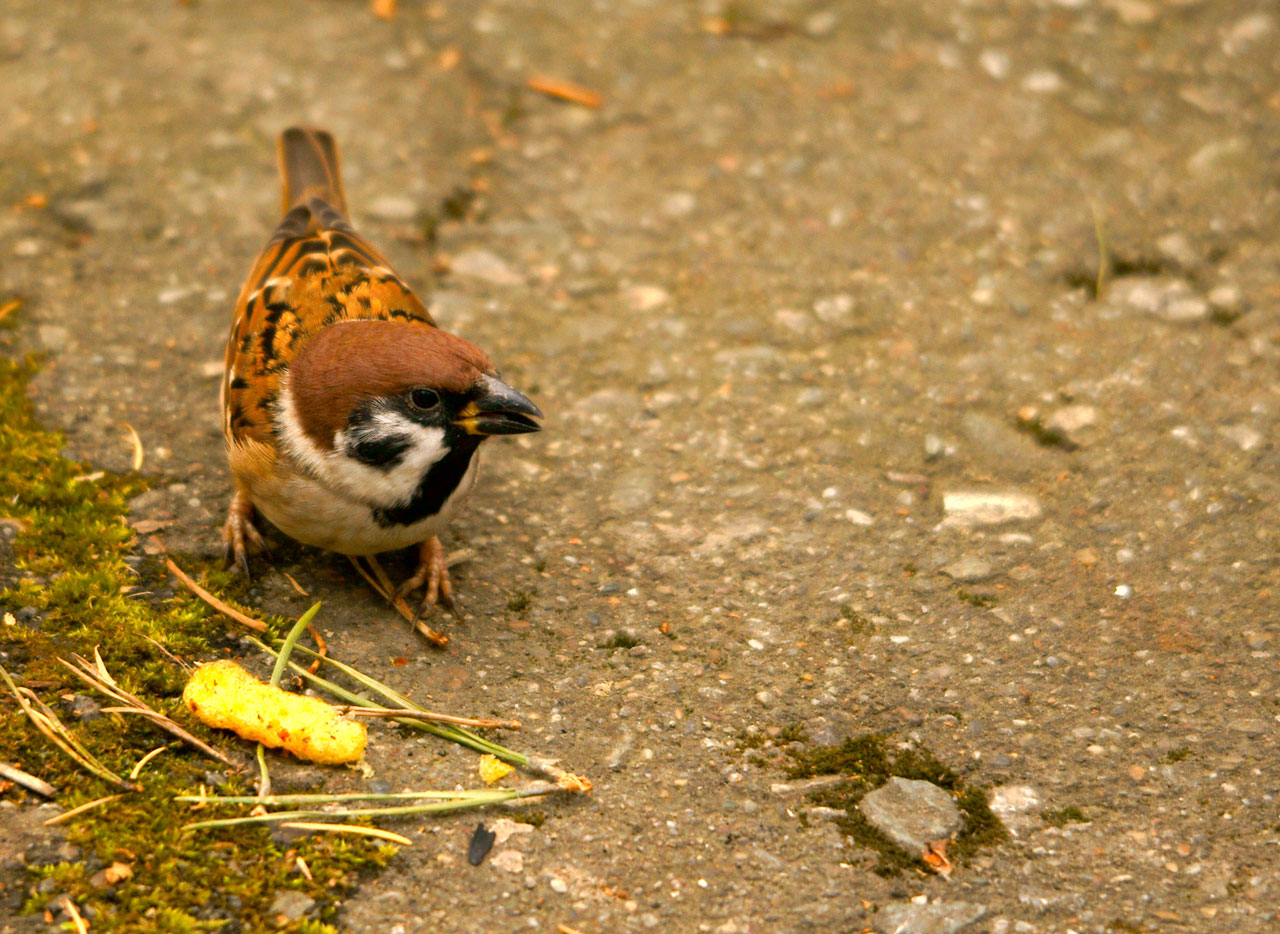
(382, 584)
(76, 811)
(296, 586)
(26, 780)
(430, 715)
(565, 91)
(256, 625)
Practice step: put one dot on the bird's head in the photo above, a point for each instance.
(371, 406)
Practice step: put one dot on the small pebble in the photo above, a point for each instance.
(1226, 299)
(393, 208)
(1043, 82)
(969, 568)
(1072, 418)
(995, 63)
(969, 509)
(679, 204)
(485, 266)
(291, 904)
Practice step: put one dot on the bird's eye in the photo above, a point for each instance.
(423, 398)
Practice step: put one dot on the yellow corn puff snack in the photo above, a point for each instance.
(224, 695)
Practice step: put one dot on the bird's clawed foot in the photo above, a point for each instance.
(433, 572)
(239, 535)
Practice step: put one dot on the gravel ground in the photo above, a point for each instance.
(808, 276)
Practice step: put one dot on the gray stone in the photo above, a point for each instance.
(915, 918)
(912, 813)
(485, 266)
(969, 569)
(291, 904)
(969, 509)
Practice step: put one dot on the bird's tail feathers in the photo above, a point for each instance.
(309, 168)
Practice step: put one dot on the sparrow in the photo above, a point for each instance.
(352, 421)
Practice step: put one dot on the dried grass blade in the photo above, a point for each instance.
(461, 801)
(498, 794)
(142, 763)
(86, 673)
(256, 625)
(77, 811)
(350, 828)
(433, 716)
(47, 722)
(137, 446)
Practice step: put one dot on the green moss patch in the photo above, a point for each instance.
(71, 582)
(865, 763)
(1060, 817)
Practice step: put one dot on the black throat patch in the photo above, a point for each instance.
(436, 485)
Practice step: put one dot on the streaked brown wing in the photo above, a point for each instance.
(316, 270)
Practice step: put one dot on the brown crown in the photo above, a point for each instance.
(352, 361)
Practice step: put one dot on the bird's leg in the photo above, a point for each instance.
(434, 573)
(239, 535)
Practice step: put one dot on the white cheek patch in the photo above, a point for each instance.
(381, 487)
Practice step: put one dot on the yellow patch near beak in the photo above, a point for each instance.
(466, 419)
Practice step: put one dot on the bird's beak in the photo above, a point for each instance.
(497, 409)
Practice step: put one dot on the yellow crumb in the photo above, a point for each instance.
(224, 695)
(493, 769)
